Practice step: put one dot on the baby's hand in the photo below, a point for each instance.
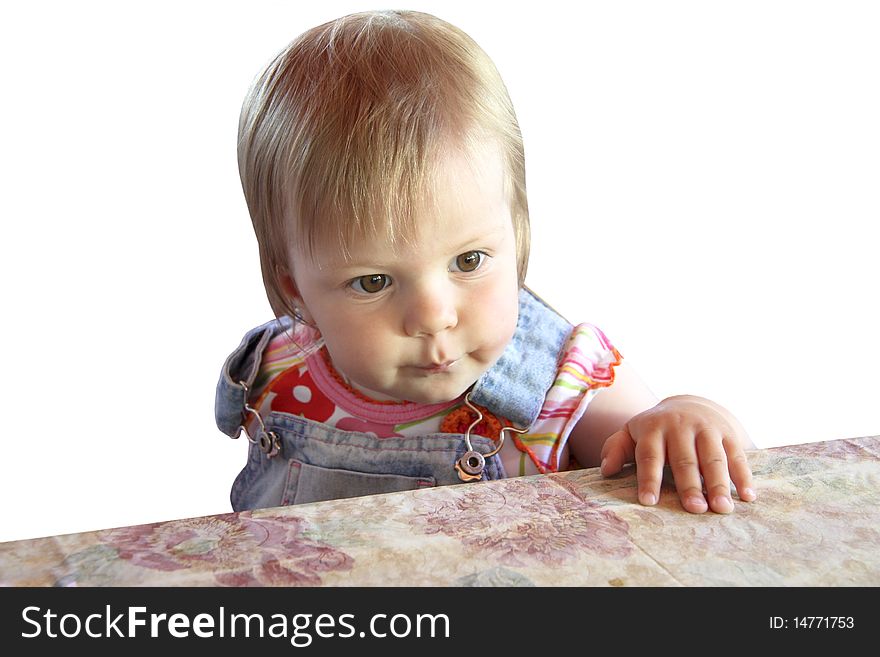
(695, 436)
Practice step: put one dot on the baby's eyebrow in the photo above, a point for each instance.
(356, 267)
(336, 264)
(347, 267)
(485, 237)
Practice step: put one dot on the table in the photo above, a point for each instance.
(816, 523)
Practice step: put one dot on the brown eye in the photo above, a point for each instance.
(469, 261)
(371, 284)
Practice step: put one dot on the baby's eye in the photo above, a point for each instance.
(469, 261)
(371, 284)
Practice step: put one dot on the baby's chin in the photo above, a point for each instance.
(438, 388)
(437, 393)
(439, 397)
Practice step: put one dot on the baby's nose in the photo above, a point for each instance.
(430, 311)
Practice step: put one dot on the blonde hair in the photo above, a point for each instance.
(341, 133)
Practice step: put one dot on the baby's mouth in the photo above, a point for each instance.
(437, 368)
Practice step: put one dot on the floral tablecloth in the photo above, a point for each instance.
(816, 523)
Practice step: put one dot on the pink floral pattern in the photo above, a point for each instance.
(547, 526)
(240, 549)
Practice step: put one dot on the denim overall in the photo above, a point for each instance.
(307, 461)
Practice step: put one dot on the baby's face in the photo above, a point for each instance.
(422, 322)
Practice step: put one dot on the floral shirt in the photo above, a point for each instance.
(297, 377)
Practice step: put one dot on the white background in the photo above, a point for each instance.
(703, 182)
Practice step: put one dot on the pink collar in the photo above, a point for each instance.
(361, 406)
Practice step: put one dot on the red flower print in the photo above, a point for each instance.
(296, 393)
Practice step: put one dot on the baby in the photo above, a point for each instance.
(383, 168)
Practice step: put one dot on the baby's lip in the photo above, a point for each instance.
(438, 366)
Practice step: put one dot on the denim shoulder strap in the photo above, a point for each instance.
(516, 385)
(243, 365)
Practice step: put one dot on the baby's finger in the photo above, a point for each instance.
(650, 457)
(740, 472)
(618, 450)
(685, 465)
(713, 464)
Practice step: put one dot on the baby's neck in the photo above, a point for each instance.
(376, 396)
(366, 392)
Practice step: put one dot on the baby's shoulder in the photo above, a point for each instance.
(587, 344)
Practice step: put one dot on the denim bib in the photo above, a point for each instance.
(307, 461)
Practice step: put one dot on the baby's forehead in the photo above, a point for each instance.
(480, 160)
(460, 183)
(428, 238)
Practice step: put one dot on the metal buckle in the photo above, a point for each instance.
(471, 464)
(268, 441)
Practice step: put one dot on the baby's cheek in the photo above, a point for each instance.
(497, 316)
(505, 307)
(353, 348)
(362, 351)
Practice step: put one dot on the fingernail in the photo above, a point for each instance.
(602, 465)
(722, 505)
(698, 502)
(647, 499)
(750, 494)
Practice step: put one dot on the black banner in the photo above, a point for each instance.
(330, 620)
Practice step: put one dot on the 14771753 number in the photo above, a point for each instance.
(812, 622)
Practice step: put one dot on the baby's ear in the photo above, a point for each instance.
(287, 284)
(291, 293)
